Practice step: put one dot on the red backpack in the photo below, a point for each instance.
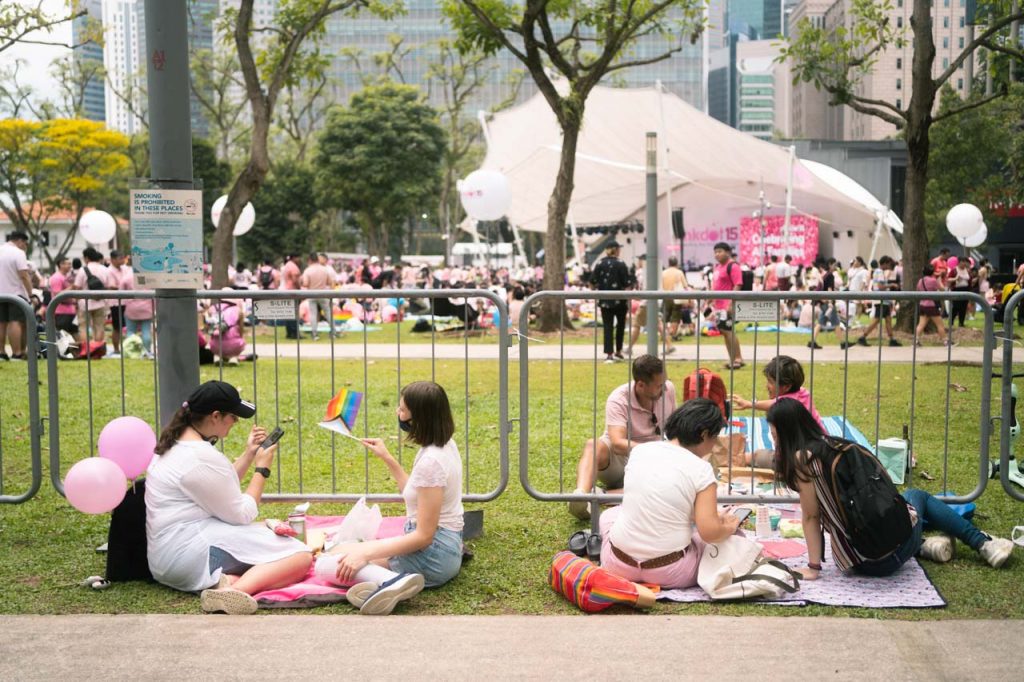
(704, 383)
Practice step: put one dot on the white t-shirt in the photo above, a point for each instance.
(12, 261)
(783, 271)
(659, 490)
(858, 279)
(436, 467)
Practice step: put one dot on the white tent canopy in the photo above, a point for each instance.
(713, 171)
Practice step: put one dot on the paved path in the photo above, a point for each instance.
(607, 647)
(711, 351)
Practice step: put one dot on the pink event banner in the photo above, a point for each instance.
(802, 245)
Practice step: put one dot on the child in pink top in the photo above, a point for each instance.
(785, 379)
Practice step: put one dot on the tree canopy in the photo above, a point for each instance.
(57, 165)
(380, 158)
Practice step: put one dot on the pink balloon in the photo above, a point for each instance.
(951, 262)
(95, 485)
(129, 442)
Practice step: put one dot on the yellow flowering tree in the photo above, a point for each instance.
(61, 165)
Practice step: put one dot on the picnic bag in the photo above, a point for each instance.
(266, 277)
(874, 514)
(704, 383)
(592, 588)
(126, 541)
(747, 275)
(735, 569)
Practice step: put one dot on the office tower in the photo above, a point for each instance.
(87, 55)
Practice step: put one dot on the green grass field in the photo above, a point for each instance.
(48, 547)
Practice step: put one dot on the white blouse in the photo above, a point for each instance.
(436, 467)
(194, 502)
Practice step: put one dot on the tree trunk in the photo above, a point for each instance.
(551, 314)
(919, 122)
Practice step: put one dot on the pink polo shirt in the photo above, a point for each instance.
(642, 425)
(803, 396)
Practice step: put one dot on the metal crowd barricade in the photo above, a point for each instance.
(309, 464)
(855, 394)
(12, 417)
(1009, 424)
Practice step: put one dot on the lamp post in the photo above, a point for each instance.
(652, 241)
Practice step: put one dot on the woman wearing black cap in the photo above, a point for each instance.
(198, 522)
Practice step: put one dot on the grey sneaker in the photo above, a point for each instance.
(937, 548)
(996, 551)
(386, 597)
(231, 602)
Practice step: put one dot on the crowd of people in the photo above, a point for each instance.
(222, 319)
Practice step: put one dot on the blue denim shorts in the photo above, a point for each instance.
(437, 563)
(226, 562)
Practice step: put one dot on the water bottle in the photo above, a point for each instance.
(763, 525)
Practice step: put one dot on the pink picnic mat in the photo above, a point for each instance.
(311, 591)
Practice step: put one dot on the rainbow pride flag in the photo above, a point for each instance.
(342, 411)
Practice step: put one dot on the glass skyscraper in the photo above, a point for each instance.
(90, 53)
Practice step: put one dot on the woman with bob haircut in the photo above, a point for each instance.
(430, 553)
(667, 488)
(199, 530)
(803, 462)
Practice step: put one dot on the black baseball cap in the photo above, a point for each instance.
(219, 396)
(612, 245)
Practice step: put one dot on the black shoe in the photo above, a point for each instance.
(894, 343)
(4, 358)
(620, 356)
(814, 345)
(861, 341)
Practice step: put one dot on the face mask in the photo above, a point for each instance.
(405, 425)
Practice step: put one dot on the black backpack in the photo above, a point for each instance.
(748, 277)
(92, 282)
(127, 558)
(874, 514)
(266, 278)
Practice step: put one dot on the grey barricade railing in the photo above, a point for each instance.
(309, 465)
(860, 399)
(1009, 425)
(11, 422)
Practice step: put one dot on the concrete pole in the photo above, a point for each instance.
(170, 150)
(651, 229)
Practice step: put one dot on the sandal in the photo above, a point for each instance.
(734, 365)
(578, 543)
(594, 548)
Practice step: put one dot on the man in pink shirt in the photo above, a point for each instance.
(728, 276)
(317, 277)
(634, 413)
(291, 276)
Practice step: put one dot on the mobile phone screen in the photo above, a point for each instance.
(274, 436)
(741, 513)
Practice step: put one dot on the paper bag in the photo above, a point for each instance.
(734, 444)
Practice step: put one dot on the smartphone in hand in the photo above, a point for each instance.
(271, 439)
(742, 513)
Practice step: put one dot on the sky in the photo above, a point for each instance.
(37, 58)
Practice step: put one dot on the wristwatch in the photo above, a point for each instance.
(262, 471)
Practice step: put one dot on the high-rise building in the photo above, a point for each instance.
(762, 18)
(88, 53)
(888, 80)
(763, 90)
(353, 43)
(126, 58)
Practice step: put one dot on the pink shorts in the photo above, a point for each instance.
(678, 575)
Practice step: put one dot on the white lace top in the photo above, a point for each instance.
(436, 467)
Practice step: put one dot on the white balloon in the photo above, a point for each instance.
(976, 239)
(97, 227)
(485, 194)
(245, 220)
(964, 220)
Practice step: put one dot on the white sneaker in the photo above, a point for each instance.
(229, 601)
(937, 548)
(996, 551)
(358, 594)
(113, 356)
(386, 597)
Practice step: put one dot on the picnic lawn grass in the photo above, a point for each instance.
(48, 547)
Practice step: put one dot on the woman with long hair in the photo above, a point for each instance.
(429, 554)
(803, 459)
(199, 528)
